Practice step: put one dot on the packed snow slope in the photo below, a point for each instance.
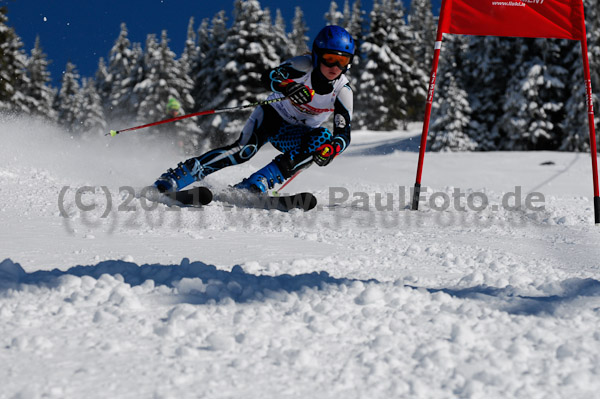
(105, 294)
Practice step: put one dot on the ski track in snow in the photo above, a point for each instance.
(345, 301)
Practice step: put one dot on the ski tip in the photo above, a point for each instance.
(309, 201)
(206, 195)
(197, 196)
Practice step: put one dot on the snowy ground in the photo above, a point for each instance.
(350, 300)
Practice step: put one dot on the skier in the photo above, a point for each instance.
(173, 107)
(316, 87)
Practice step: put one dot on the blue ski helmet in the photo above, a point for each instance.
(333, 39)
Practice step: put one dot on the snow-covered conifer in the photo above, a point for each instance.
(117, 86)
(534, 105)
(488, 64)
(90, 119)
(298, 38)
(575, 126)
(13, 61)
(355, 26)
(163, 78)
(247, 51)
(388, 78)
(68, 99)
(38, 89)
(346, 16)
(334, 16)
(451, 112)
(190, 50)
(206, 78)
(422, 25)
(281, 40)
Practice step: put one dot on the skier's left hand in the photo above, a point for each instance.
(325, 153)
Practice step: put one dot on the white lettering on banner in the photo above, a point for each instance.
(516, 3)
(431, 89)
(588, 97)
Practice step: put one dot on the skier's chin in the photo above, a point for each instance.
(330, 74)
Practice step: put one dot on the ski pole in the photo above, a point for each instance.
(277, 192)
(113, 133)
(288, 182)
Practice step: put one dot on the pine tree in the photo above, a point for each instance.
(488, 65)
(160, 80)
(281, 41)
(68, 99)
(150, 104)
(203, 43)
(188, 130)
(298, 37)
(100, 79)
(38, 90)
(247, 52)
(346, 16)
(333, 16)
(356, 24)
(449, 126)
(130, 100)
(355, 28)
(117, 86)
(535, 98)
(370, 100)
(592, 20)
(575, 127)
(206, 78)
(190, 50)
(163, 78)
(389, 78)
(422, 25)
(451, 112)
(90, 118)
(13, 61)
(200, 62)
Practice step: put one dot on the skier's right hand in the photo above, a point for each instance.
(297, 92)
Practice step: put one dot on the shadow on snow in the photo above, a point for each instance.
(209, 283)
(507, 299)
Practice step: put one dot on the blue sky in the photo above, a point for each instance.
(83, 31)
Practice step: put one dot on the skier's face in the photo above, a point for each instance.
(331, 73)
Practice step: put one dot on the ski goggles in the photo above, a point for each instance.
(335, 59)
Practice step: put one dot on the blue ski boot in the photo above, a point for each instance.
(183, 175)
(263, 179)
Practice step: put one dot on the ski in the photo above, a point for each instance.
(244, 199)
(199, 196)
(194, 197)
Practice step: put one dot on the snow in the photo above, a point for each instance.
(344, 301)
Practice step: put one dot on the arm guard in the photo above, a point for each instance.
(342, 118)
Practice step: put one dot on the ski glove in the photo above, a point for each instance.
(297, 92)
(325, 153)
